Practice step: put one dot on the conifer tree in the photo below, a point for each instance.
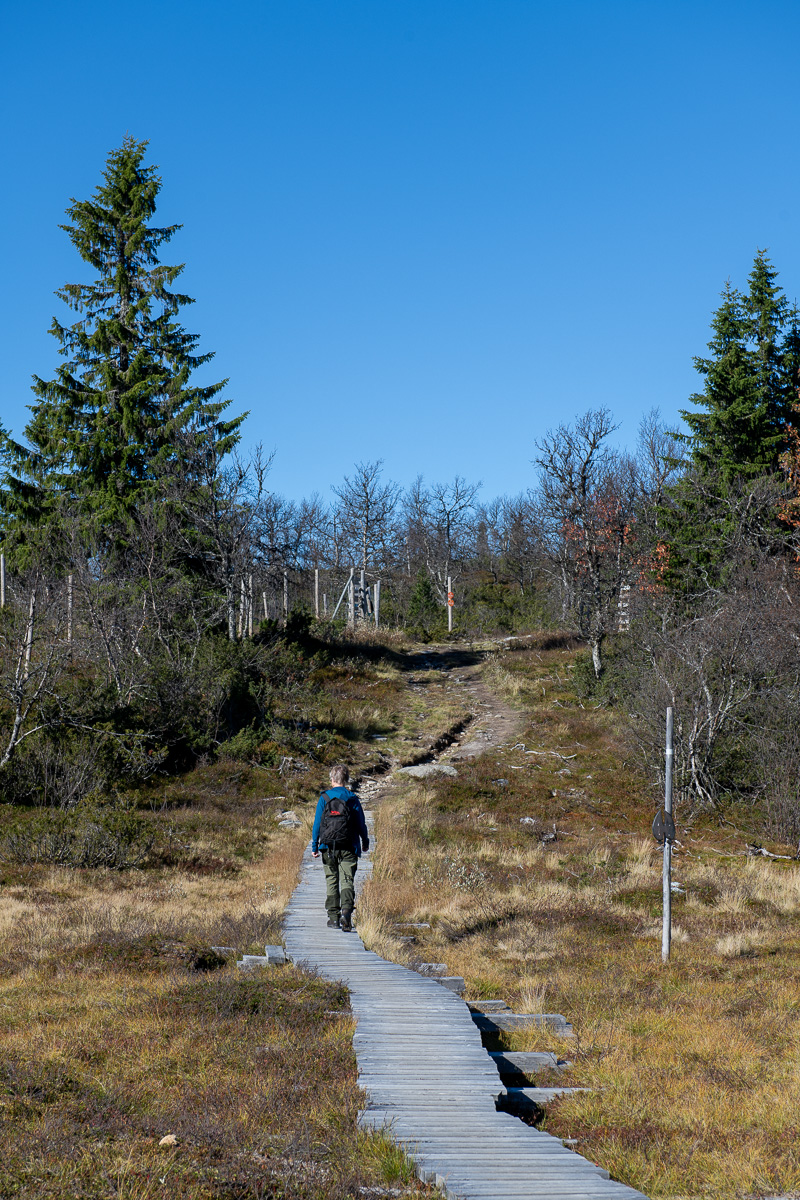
(735, 445)
(750, 380)
(121, 415)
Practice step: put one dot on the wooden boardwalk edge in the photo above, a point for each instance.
(431, 1085)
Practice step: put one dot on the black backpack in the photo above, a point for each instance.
(337, 828)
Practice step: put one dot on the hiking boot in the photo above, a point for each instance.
(346, 924)
(333, 922)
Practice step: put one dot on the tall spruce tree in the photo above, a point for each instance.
(121, 415)
(751, 380)
(735, 445)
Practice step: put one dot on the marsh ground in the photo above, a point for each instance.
(537, 873)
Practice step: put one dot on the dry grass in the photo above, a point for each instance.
(119, 1027)
(695, 1088)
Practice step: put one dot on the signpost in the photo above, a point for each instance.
(664, 833)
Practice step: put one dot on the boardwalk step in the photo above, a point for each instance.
(538, 1095)
(273, 956)
(514, 1064)
(429, 1082)
(503, 1022)
(455, 983)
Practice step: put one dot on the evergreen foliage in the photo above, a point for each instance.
(736, 445)
(751, 380)
(120, 417)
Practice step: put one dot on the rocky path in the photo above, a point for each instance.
(429, 1081)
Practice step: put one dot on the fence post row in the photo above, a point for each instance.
(363, 601)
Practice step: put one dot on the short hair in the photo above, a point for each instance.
(340, 776)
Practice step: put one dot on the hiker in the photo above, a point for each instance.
(340, 832)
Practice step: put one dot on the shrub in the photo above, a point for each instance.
(87, 837)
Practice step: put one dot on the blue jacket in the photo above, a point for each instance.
(361, 837)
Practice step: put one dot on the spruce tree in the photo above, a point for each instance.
(121, 416)
(750, 380)
(736, 444)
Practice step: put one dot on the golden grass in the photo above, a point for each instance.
(119, 1028)
(693, 1066)
(113, 1037)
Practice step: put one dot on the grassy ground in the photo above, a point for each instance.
(135, 1063)
(694, 1068)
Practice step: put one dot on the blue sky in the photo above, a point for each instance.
(418, 230)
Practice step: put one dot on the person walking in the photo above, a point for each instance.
(339, 834)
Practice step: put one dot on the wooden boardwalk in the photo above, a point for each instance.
(430, 1083)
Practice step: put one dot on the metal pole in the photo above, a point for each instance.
(377, 603)
(69, 608)
(666, 933)
(449, 605)
(316, 592)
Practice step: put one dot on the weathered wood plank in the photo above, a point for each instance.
(429, 1081)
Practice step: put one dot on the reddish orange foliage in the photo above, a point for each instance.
(790, 461)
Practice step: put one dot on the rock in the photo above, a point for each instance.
(168, 1140)
(289, 820)
(426, 770)
(225, 951)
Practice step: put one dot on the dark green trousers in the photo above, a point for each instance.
(340, 868)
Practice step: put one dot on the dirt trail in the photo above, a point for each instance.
(493, 722)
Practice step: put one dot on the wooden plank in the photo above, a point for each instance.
(429, 1081)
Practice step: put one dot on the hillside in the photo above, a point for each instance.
(535, 870)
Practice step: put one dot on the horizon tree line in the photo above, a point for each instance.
(133, 528)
